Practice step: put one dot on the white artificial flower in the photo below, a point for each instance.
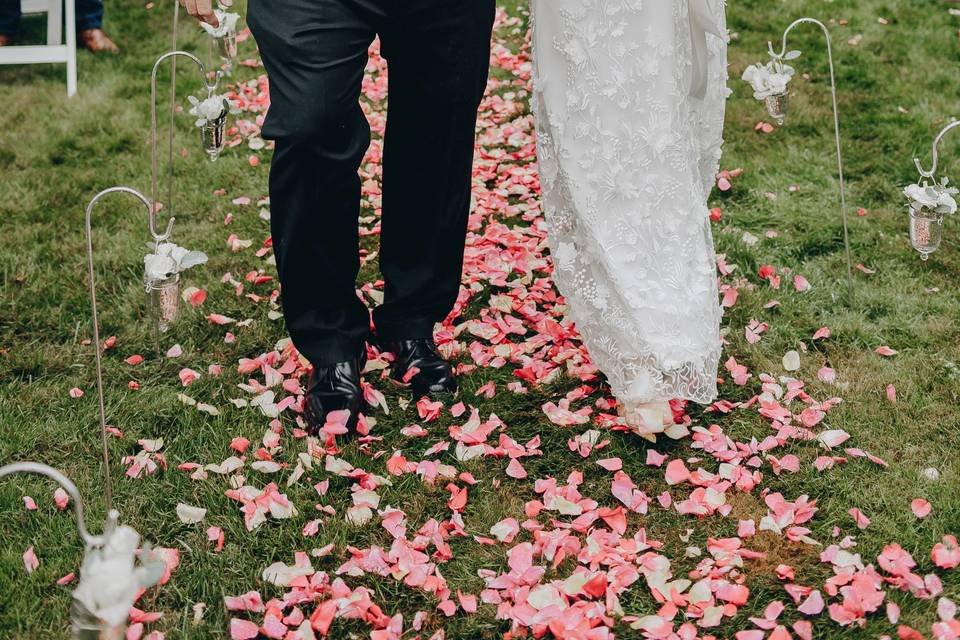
(768, 79)
(110, 578)
(159, 267)
(755, 75)
(170, 259)
(227, 27)
(183, 257)
(209, 110)
(947, 203)
(937, 198)
(921, 196)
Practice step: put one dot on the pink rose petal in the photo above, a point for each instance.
(611, 464)
(655, 459)
(515, 470)
(862, 521)
(243, 629)
(677, 472)
(822, 333)
(813, 605)
(61, 498)
(921, 508)
(30, 561)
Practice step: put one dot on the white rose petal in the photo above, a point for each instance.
(189, 514)
(931, 473)
(791, 361)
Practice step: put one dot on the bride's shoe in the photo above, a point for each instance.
(647, 419)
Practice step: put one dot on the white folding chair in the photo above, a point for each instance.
(55, 50)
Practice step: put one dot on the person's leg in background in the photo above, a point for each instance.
(89, 14)
(90, 33)
(438, 54)
(315, 52)
(9, 21)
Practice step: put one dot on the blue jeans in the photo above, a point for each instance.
(89, 15)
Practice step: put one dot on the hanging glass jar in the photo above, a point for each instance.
(777, 106)
(227, 48)
(163, 300)
(926, 231)
(213, 136)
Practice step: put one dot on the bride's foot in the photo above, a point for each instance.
(647, 419)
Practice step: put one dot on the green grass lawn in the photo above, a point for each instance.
(898, 86)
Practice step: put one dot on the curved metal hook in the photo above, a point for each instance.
(211, 88)
(836, 127)
(796, 23)
(71, 489)
(934, 151)
(96, 322)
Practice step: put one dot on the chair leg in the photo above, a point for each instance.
(71, 27)
(54, 19)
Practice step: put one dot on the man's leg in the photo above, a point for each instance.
(90, 33)
(438, 55)
(89, 14)
(9, 20)
(315, 52)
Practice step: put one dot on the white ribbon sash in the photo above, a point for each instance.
(702, 21)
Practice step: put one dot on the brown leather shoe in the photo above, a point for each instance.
(5, 40)
(96, 40)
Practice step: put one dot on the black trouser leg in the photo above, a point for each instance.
(315, 52)
(438, 55)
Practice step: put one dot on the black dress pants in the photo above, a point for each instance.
(315, 52)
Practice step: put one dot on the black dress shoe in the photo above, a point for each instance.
(334, 387)
(433, 373)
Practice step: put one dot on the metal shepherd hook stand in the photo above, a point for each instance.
(836, 126)
(110, 579)
(98, 347)
(211, 89)
(164, 293)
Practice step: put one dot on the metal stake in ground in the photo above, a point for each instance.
(781, 114)
(215, 133)
(97, 346)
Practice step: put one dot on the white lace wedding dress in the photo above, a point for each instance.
(629, 102)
